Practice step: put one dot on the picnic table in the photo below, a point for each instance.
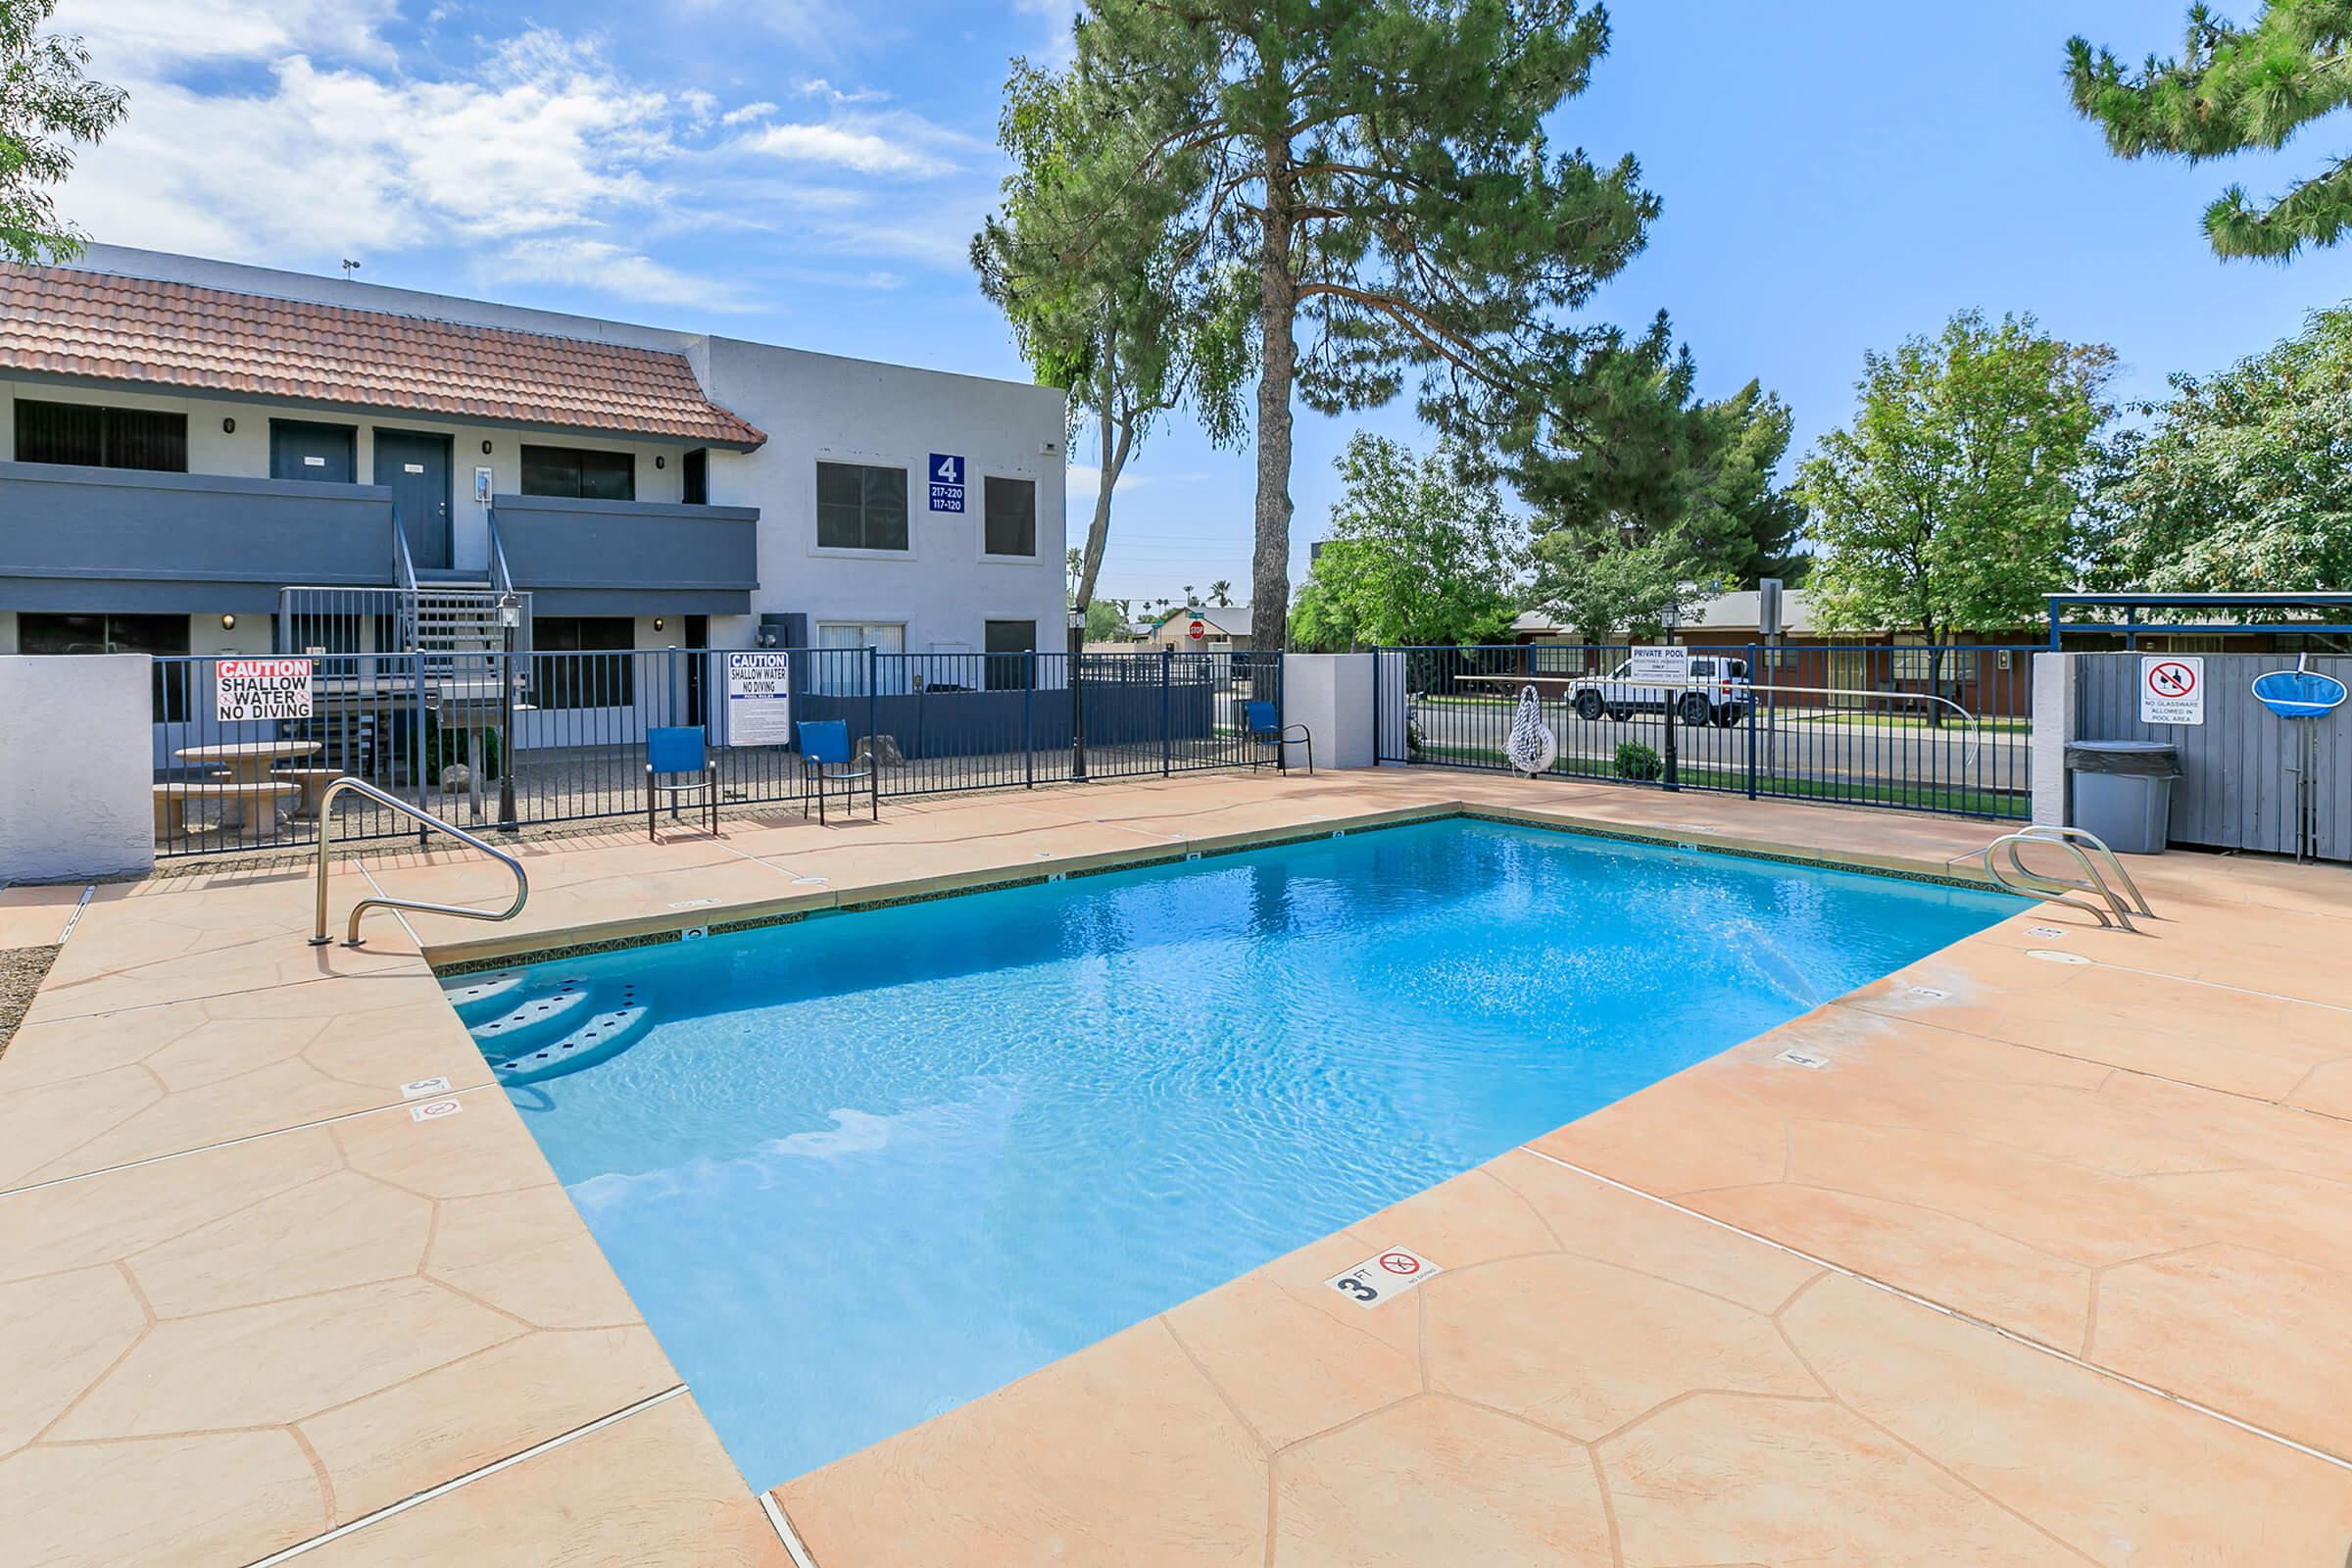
(249, 768)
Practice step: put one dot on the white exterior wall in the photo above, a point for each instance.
(820, 408)
(84, 809)
(1332, 695)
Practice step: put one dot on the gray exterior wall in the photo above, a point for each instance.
(2237, 789)
(74, 538)
(599, 556)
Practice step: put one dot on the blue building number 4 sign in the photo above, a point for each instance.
(947, 482)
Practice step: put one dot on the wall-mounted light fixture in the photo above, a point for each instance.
(660, 462)
(485, 449)
(657, 624)
(228, 624)
(228, 427)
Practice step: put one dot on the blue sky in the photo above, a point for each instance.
(1836, 176)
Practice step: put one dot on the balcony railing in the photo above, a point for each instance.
(212, 540)
(587, 556)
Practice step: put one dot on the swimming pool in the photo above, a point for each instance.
(859, 1169)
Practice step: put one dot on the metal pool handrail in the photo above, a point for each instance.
(2020, 878)
(326, 833)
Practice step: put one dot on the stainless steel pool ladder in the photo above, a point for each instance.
(2093, 891)
(326, 834)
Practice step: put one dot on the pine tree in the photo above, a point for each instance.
(2232, 89)
(1381, 171)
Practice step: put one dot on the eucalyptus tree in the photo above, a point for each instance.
(47, 105)
(1381, 172)
(1104, 303)
(2232, 90)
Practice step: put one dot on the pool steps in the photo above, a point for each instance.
(530, 1036)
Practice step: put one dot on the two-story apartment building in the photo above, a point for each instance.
(183, 442)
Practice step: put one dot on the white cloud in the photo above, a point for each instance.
(292, 132)
(597, 264)
(866, 151)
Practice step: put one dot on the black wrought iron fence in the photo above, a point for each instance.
(1943, 729)
(244, 746)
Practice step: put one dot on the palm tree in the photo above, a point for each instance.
(1220, 593)
(1189, 600)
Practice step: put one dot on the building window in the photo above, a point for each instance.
(861, 508)
(694, 478)
(101, 438)
(575, 473)
(1011, 653)
(1010, 526)
(842, 661)
(166, 636)
(584, 661)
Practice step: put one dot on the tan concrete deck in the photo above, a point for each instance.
(2046, 1262)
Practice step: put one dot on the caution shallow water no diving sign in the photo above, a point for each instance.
(261, 688)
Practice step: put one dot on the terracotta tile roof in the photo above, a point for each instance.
(64, 322)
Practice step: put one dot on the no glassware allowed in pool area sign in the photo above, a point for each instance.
(2172, 690)
(261, 688)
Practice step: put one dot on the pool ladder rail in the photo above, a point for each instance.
(326, 836)
(2095, 890)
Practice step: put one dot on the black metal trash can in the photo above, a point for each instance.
(2123, 792)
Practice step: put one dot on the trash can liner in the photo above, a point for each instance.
(2124, 759)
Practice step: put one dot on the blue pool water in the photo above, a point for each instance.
(863, 1168)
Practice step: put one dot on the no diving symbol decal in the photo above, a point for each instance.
(1383, 1275)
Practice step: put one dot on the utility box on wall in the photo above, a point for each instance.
(77, 768)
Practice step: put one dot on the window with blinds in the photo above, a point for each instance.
(97, 437)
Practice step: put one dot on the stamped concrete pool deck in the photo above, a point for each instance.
(2038, 1250)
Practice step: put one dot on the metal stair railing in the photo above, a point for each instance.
(426, 820)
(2091, 891)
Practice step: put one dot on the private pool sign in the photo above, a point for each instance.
(246, 689)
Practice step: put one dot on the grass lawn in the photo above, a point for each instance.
(1992, 726)
(1859, 792)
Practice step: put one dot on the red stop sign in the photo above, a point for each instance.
(1200, 629)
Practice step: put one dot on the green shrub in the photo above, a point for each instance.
(1639, 763)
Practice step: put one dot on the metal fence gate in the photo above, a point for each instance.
(1943, 730)
(434, 728)
(2242, 784)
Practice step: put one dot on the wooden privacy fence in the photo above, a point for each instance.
(2242, 784)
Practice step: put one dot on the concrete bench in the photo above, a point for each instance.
(172, 804)
(313, 782)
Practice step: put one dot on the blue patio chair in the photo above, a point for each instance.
(1264, 726)
(825, 758)
(680, 756)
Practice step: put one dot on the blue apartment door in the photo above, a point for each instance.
(416, 467)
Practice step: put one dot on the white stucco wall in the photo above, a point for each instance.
(76, 795)
(822, 408)
(2053, 727)
(1331, 694)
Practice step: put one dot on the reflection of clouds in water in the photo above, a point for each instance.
(928, 1132)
